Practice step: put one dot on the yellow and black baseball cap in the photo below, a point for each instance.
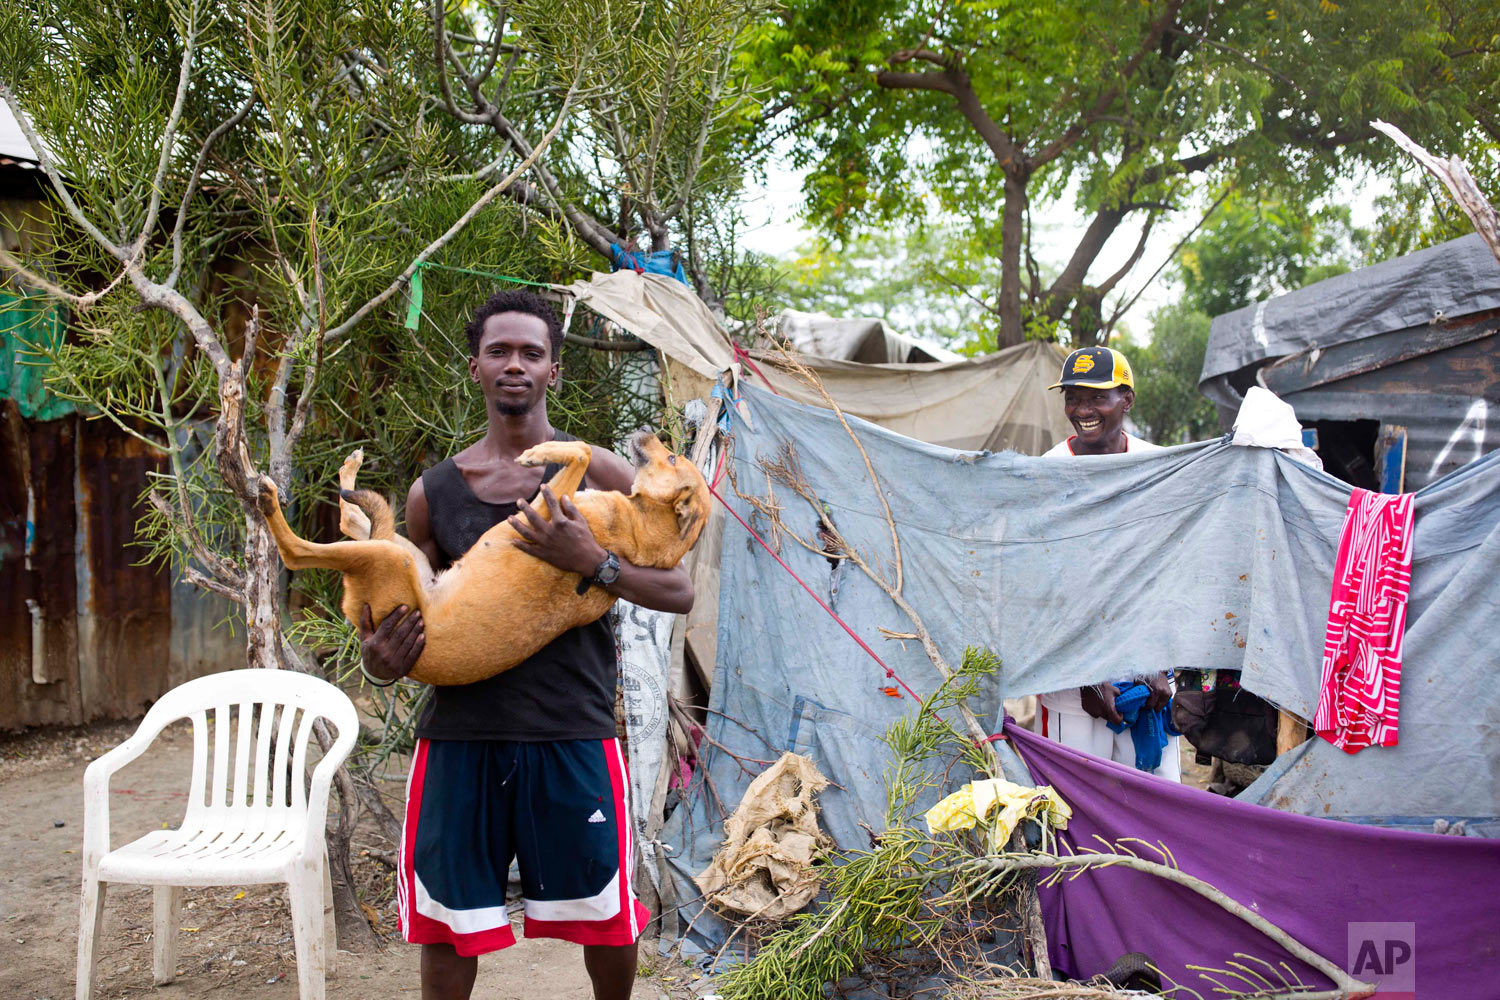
(1095, 368)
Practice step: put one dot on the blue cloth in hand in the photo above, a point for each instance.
(1148, 729)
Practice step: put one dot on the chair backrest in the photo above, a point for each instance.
(262, 722)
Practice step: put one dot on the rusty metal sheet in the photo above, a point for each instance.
(37, 540)
(125, 609)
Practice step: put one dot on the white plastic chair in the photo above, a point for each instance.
(246, 824)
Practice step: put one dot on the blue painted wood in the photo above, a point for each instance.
(1393, 462)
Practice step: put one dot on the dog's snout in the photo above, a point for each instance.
(637, 446)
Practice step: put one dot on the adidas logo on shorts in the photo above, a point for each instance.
(598, 816)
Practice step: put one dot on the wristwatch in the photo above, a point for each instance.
(606, 573)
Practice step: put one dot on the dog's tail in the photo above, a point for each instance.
(382, 521)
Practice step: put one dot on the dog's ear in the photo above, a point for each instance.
(692, 508)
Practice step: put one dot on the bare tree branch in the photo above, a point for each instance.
(1105, 287)
(1004, 863)
(454, 229)
(169, 132)
(495, 46)
(590, 231)
(1060, 295)
(915, 80)
(1122, 310)
(952, 79)
(192, 185)
(620, 346)
(1459, 182)
(695, 159)
(443, 54)
(653, 146)
(49, 167)
(221, 578)
(80, 303)
(194, 576)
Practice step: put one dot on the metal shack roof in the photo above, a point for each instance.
(13, 145)
(1442, 282)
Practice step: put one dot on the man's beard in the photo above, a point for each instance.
(507, 409)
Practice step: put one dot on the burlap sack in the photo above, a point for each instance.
(765, 868)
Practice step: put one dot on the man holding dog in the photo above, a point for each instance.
(525, 764)
(1098, 391)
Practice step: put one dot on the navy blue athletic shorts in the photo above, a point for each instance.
(561, 808)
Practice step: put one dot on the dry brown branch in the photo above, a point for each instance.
(1005, 865)
(1459, 182)
(790, 363)
(689, 726)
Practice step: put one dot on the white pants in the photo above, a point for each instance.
(1091, 735)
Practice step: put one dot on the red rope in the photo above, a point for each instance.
(833, 614)
(744, 356)
(719, 472)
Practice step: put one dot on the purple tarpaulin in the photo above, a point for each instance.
(1311, 877)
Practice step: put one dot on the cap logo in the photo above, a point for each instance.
(1083, 363)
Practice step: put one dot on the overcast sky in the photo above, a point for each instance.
(774, 226)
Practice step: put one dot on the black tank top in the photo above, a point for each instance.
(564, 692)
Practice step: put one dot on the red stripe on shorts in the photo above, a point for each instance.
(418, 928)
(625, 927)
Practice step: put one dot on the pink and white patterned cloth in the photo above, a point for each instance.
(1360, 695)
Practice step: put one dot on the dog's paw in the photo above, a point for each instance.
(353, 521)
(350, 468)
(559, 452)
(267, 500)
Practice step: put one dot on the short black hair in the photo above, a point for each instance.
(515, 301)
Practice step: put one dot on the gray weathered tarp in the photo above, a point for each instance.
(855, 338)
(996, 401)
(1447, 280)
(1076, 571)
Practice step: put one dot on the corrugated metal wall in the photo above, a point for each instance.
(124, 608)
(1448, 401)
(38, 637)
(85, 633)
(111, 635)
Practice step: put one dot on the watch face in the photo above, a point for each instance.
(609, 570)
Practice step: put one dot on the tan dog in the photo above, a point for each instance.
(497, 605)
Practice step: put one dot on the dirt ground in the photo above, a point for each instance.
(235, 941)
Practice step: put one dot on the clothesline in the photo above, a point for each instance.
(414, 287)
(833, 614)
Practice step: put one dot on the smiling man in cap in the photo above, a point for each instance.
(1098, 390)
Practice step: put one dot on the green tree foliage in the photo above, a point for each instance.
(242, 186)
(993, 111)
(920, 282)
(655, 154)
(1169, 409)
(1253, 249)
(239, 189)
(1248, 251)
